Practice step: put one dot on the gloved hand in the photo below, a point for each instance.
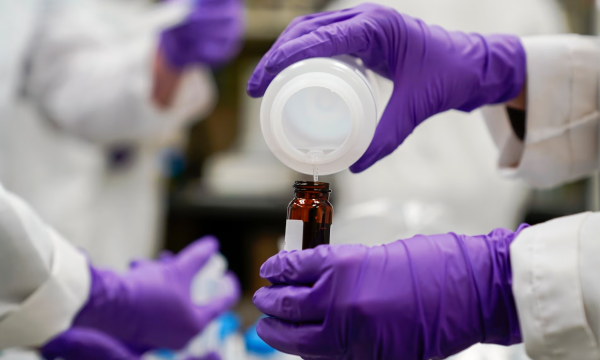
(90, 344)
(211, 34)
(433, 70)
(151, 305)
(426, 297)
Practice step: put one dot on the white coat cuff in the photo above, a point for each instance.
(51, 309)
(562, 113)
(548, 291)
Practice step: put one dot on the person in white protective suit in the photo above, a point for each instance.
(427, 190)
(432, 296)
(85, 117)
(52, 299)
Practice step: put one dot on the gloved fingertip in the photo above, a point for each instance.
(196, 255)
(272, 266)
(357, 168)
(51, 350)
(368, 159)
(209, 239)
(206, 245)
(274, 63)
(254, 90)
(209, 356)
(257, 296)
(166, 255)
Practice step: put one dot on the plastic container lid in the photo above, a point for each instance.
(319, 111)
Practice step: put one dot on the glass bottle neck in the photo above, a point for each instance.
(311, 195)
(312, 190)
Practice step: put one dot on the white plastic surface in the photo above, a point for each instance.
(320, 111)
(208, 283)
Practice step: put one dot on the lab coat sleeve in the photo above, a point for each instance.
(44, 281)
(93, 77)
(555, 284)
(561, 141)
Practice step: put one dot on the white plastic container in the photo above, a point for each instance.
(320, 111)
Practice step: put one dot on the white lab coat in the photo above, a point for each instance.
(78, 82)
(555, 264)
(44, 280)
(453, 185)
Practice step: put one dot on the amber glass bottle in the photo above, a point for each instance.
(311, 205)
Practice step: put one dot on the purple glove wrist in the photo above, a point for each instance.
(427, 297)
(211, 34)
(151, 305)
(433, 69)
(90, 344)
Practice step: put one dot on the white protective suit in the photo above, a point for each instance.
(452, 185)
(44, 280)
(556, 265)
(75, 89)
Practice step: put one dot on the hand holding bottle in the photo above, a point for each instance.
(433, 69)
(427, 297)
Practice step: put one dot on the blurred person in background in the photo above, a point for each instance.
(92, 92)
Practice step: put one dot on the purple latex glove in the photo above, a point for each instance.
(211, 34)
(427, 297)
(433, 69)
(151, 304)
(90, 344)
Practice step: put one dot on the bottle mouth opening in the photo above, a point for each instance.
(301, 185)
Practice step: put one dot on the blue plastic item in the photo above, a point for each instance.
(256, 345)
(164, 354)
(230, 323)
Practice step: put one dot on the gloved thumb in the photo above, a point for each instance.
(395, 126)
(193, 258)
(88, 344)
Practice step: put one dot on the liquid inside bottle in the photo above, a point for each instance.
(312, 208)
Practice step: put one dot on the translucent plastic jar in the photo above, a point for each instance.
(322, 112)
